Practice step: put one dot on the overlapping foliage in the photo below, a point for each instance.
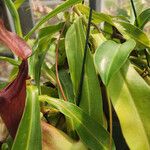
(115, 88)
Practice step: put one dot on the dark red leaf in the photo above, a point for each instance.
(14, 42)
(12, 99)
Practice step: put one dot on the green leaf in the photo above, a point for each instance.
(90, 131)
(130, 96)
(75, 42)
(97, 17)
(68, 90)
(132, 31)
(53, 13)
(28, 136)
(49, 73)
(42, 45)
(10, 60)
(15, 16)
(67, 85)
(37, 59)
(18, 3)
(110, 56)
(143, 18)
(49, 30)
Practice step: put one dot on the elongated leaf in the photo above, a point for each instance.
(15, 16)
(90, 131)
(130, 96)
(49, 73)
(68, 90)
(42, 45)
(18, 3)
(97, 17)
(143, 18)
(110, 56)
(53, 13)
(49, 30)
(38, 58)
(67, 85)
(91, 101)
(10, 60)
(133, 32)
(29, 132)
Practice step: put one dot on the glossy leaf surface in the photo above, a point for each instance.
(28, 136)
(18, 3)
(144, 18)
(132, 31)
(110, 56)
(91, 101)
(90, 131)
(130, 96)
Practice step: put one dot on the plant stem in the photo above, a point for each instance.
(15, 16)
(79, 94)
(134, 11)
(56, 66)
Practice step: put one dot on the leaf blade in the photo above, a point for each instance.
(110, 56)
(132, 31)
(144, 18)
(91, 132)
(91, 88)
(131, 103)
(29, 131)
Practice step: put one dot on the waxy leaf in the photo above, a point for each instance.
(130, 31)
(28, 136)
(18, 3)
(14, 42)
(143, 18)
(130, 96)
(91, 100)
(12, 99)
(90, 131)
(10, 60)
(110, 56)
